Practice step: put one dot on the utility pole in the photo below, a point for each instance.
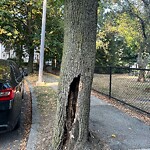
(40, 78)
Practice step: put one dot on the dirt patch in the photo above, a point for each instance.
(46, 99)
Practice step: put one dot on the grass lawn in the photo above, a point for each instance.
(125, 88)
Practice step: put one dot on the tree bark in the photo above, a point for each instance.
(142, 61)
(31, 59)
(30, 45)
(73, 104)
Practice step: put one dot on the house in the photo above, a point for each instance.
(12, 54)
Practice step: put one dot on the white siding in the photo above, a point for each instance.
(12, 54)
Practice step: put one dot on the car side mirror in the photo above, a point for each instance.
(23, 72)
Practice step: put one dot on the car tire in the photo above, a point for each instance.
(22, 95)
(18, 124)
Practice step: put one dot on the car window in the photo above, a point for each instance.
(16, 72)
(4, 70)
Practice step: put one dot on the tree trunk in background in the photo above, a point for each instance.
(19, 53)
(142, 61)
(31, 59)
(29, 39)
(73, 105)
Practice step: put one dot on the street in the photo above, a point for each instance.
(17, 139)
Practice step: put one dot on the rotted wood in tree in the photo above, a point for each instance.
(71, 108)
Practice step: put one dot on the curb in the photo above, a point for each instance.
(31, 143)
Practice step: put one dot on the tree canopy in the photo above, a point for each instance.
(20, 27)
(123, 35)
(123, 31)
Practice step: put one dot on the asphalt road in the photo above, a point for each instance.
(17, 139)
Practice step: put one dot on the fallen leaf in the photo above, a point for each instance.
(113, 136)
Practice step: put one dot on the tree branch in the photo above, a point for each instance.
(142, 22)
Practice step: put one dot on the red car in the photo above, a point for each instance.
(11, 94)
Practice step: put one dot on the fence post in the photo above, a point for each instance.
(110, 81)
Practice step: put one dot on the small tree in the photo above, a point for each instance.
(73, 105)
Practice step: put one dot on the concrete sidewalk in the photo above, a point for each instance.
(115, 128)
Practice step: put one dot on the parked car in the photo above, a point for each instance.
(11, 94)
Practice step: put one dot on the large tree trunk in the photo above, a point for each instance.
(73, 105)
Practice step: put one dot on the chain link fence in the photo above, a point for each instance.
(123, 84)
